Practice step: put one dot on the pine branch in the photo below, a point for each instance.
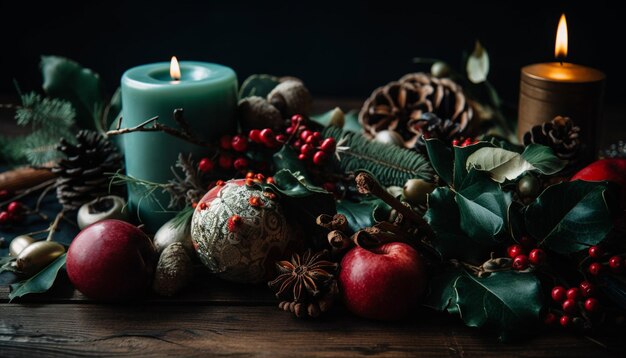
(48, 119)
(391, 165)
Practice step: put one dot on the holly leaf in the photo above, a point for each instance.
(482, 206)
(258, 85)
(41, 282)
(515, 220)
(286, 158)
(441, 293)
(450, 241)
(460, 159)
(66, 79)
(441, 158)
(477, 65)
(570, 216)
(509, 300)
(303, 202)
(500, 163)
(363, 213)
(543, 159)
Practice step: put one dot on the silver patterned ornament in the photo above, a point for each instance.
(239, 231)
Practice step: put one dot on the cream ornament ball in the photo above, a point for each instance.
(239, 232)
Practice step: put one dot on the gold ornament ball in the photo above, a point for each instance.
(415, 191)
(389, 137)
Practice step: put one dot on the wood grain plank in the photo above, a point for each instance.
(148, 330)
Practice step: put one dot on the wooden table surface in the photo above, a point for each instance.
(216, 318)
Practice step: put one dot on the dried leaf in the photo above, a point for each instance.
(478, 64)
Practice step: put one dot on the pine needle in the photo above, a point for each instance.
(391, 165)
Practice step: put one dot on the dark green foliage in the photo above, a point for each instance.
(390, 165)
(48, 120)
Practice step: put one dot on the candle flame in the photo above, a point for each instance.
(560, 47)
(174, 69)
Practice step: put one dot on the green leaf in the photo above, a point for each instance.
(570, 216)
(258, 85)
(390, 164)
(441, 293)
(543, 159)
(460, 159)
(39, 283)
(363, 213)
(66, 79)
(504, 164)
(441, 158)
(500, 163)
(303, 202)
(286, 158)
(482, 206)
(450, 241)
(509, 300)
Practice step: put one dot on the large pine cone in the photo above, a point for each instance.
(81, 173)
(399, 105)
(561, 134)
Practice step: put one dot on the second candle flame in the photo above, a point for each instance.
(560, 47)
(174, 69)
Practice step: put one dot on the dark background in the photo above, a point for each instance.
(338, 48)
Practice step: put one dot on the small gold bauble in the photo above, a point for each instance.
(19, 243)
(416, 191)
(389, 137)
(37, 256)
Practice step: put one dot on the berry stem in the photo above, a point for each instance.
(54, 225)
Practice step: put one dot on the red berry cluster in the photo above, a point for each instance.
(463, 142)
(573, 301)
(14, 213)
(521, 260)
(257, 178)
(309, 144)
(616, 263)
(232, 153)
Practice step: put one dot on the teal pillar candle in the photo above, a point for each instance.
(207, 93)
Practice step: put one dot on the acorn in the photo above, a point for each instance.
(102, 208)
(291, 97)
(37, 256)
(440, 69)
(337, 118)
(389, 137)
(171, 233)
(415, 191)
(174, 270)
(257, 113)
(19, 243)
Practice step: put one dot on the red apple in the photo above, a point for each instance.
(111, 260)
(383, 283)
(613, 170)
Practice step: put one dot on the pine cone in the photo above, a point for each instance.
(399, 106)
(431, 126)
(81, 173)
(561, 134)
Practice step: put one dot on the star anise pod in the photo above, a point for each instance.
(306, 284)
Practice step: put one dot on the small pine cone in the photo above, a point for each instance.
(174, 270)
(561, 134)
(429, 125)
(399, 105)
(82, 172)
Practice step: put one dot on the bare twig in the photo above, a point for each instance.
(54, 225)
(185, 133)
(29, 190)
